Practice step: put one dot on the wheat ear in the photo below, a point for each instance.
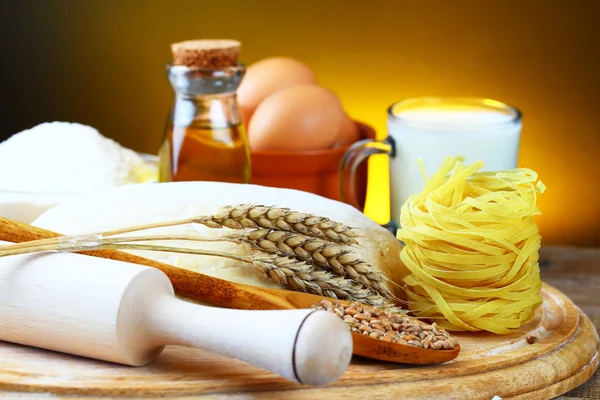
(319, 252)
(283, 219)
(247, 216)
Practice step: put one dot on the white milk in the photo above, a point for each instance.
(432, 133)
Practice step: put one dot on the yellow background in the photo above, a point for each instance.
(102, 63)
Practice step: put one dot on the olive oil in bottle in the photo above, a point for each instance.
(205, 152)
(204, 136)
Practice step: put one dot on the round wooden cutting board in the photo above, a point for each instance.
(511, 367)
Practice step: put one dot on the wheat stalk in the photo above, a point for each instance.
(301, 276)
(291, 273)
(318, 252)
(310, 246)
(303, 236)
(248, 216)
(96, 242)
(283, 219)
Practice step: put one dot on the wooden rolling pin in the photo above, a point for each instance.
(126, 313)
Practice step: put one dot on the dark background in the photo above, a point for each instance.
(102, 63)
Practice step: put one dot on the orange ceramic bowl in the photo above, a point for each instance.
(311, 171)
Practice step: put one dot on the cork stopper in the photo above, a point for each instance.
(213, 54)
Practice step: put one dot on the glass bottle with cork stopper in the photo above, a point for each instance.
(204, 137)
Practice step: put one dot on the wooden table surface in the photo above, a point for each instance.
(576, 272)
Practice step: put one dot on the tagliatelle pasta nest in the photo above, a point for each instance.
(472, 248)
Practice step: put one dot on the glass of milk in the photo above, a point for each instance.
(431, 128)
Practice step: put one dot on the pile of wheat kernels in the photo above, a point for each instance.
(389, 326)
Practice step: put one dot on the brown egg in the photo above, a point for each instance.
(266, 77)
(348, 132)
(303, 117)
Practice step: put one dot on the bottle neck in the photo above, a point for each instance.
(205, 96)
(208, 110)
(205, 82)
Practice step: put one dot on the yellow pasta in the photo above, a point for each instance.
(472, 248)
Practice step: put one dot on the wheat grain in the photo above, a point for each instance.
(389, 326)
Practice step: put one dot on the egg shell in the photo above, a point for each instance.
(349, 132)
(268, 76)
(299, 118)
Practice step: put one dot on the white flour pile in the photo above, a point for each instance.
(65, 157)
(48, 163)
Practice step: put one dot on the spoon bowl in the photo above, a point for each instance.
(362, 345)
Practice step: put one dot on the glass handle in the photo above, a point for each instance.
(354, 156)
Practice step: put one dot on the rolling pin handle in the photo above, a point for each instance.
(311, 347)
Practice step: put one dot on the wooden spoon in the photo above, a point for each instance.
(219, 292)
